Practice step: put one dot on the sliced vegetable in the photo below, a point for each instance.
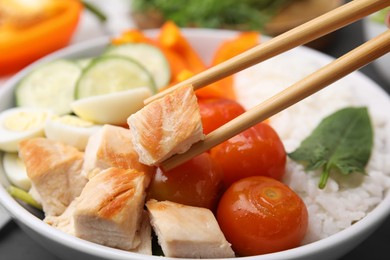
(49, 86)
(228, 49)
(180, 76)
(170, 37)
(342, 142)
(176, 62)
(83, 63)
(223, 88)
(132, 36)
(110, 74)
(32, 29)
(149, 56)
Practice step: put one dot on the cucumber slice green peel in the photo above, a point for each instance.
(50, 86)
(149, 56)
(108, 74)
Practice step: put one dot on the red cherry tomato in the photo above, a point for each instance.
(197, 182)
(260, 215)
(218, 111)
(256, 151)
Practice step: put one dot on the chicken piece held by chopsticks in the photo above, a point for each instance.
(167, 126)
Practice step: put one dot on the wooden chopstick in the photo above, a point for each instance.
(305, 33)
(328, 74)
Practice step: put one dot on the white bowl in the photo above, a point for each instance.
(205, 41)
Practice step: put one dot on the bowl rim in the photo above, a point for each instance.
(373, 219)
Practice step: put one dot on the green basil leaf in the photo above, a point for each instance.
(342, 142)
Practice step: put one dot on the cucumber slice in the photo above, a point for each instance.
(147, 55)
(83, 63)
(49, 86)
(110, 74)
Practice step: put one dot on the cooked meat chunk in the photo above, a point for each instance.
(167, 126)
(145, 233)
(110, 208)
(111, 146)
(55, 172)
(63, 222)
(186, 231)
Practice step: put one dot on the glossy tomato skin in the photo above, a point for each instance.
(258, 151)
(260, 215)
(215, 112)
(197, 182)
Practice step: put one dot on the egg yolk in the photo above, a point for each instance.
(24, 121)
(74, 121)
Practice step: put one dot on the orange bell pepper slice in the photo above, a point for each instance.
(181, 76)
(170, 37)
(21, 45)
(228, 49)
(176, 63)
(132, 35)
(220, 89)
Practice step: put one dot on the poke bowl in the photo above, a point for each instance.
(340, 216)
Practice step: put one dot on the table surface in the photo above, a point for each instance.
(15, 244)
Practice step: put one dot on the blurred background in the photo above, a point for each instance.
(30, 29)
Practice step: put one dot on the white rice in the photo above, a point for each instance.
(345, 200)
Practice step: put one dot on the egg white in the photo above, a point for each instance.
(15, 170)
(70, 130)
(21, 123)
(113, 108)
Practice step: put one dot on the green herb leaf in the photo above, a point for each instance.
(342, 141)
(245, 14)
